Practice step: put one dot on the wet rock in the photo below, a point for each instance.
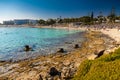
(61, 50)
(2, 61)
(27, 48)
(68, 42)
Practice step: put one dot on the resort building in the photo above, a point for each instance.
(20, 22)
(24, 21)
(8, 22)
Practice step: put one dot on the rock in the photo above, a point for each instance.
(77, 46)
(77, 64)
(62, 50)
(27, 48)
(100, 53)
(66, 63)
(95, 55)
(64, 70)
(54, 72)
(92, 57)
(66, 73)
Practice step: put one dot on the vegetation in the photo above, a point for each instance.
(112, 16)
(48, 22)
(106, 67)
(42, 22)
(88, 19)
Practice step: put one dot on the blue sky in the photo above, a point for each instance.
(36, 9)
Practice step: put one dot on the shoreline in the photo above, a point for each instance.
(67, 43)
(67, 64)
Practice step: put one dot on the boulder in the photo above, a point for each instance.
(77, 46)
(27, 48)
(100, 53)
(54, 72)
(61, 50)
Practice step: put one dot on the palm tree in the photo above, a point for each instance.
(112, 15)
(100, 17)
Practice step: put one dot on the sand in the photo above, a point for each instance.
(113, 33)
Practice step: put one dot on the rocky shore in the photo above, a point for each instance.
(59, 66)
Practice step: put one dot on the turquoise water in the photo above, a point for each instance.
(13, 40)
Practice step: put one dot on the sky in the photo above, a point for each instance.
(37, 9)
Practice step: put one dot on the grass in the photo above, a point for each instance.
(107, 67)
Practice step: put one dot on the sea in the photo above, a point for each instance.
(43, 41)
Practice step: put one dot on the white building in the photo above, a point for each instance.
(20, 22)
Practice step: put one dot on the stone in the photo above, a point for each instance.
(77, 46)
(77, 64)
(92, 57)
(66, 63)
(61, 50)
(100, 53)
(27, 48)
(54, 72)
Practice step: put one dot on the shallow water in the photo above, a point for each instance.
(42, 40)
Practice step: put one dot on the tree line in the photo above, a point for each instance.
(90, 19)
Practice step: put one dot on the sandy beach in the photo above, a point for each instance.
(113, 33)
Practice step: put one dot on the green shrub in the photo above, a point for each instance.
(106, 67)
(83, 70)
